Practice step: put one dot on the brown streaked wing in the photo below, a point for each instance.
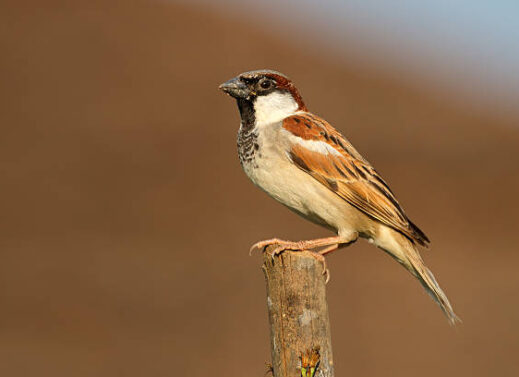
(348, 174)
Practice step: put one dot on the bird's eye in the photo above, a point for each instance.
(265, 84)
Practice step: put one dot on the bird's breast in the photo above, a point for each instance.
(269, 168)
(248, 146)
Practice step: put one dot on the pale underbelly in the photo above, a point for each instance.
(304, 195)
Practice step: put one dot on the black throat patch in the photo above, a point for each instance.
(247, 113)
(247, 135)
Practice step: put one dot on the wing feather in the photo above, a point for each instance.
(346, 173)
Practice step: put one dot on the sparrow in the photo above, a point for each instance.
(300, 160)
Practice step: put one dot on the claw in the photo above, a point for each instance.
(252, 248)
(281, 245)
(327, 273)
(322, 259)
(262, 245)
(278, 250)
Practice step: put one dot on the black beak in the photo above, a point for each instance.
(236, 88)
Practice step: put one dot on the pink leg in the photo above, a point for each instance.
(329, 249)
(344, 242)
(283, 245)
(332, 243)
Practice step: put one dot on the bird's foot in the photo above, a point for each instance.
(320, 257)
(282, 245)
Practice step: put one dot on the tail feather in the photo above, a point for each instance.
(406, 253)
(425, 276)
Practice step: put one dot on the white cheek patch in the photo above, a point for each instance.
(274, 107)
(313, 145)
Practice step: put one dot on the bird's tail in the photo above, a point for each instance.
(409, 257)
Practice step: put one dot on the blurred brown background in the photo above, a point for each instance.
(125, 218)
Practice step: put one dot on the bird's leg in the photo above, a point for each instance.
(331, 243)
(343, 243)
(282, 245)
(329, 249)
(317, 255)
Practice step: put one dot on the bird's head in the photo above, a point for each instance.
(270, 94)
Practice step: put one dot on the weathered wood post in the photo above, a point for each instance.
(298, 315)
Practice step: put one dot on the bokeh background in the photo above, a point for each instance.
(125, 218)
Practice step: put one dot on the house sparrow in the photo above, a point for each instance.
(303, 162)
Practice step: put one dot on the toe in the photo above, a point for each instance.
(262, 244)
(327, 274)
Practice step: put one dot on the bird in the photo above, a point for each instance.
(301, 161)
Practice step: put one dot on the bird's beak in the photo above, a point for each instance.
(235, 88)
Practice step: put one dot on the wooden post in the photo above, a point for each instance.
(298, 315)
